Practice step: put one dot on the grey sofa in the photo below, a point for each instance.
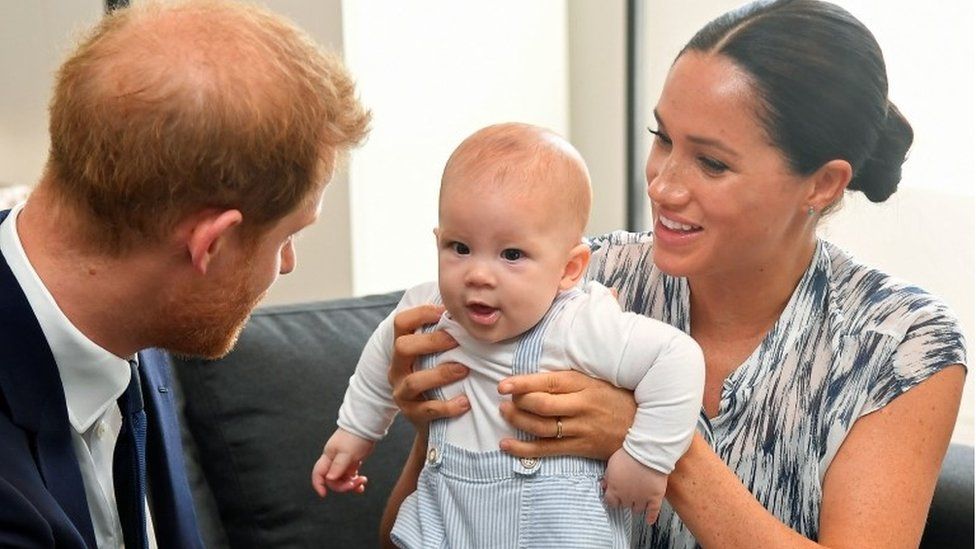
(256, 420)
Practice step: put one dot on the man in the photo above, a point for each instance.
(189, 144)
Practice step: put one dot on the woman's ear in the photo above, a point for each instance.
(208, 234)
(829, 182)
(579, 260)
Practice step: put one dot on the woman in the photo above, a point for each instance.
(831, 389)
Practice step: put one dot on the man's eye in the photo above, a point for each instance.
(460, 248)
(512, 254)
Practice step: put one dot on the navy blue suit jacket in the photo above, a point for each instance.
(42, 496)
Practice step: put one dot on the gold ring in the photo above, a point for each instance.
(559, 428)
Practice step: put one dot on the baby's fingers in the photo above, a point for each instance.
(651, 513)
(318, 475)
(355, 483)
(339, 466)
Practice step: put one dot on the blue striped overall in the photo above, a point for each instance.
(467, 499)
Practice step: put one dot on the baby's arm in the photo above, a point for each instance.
(337, 469)
(367, 408)
(630, 483)
(665, 368)
(669, 396)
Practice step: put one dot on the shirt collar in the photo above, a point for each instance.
(93, 378)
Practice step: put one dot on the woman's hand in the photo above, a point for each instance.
(408, 393)
(409, 386)
(570, 412)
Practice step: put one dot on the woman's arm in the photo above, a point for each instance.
(404, 486)
(887, 467)
(408, 392)
(876, 492)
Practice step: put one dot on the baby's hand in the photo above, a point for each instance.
(338, 467)
(629, 483)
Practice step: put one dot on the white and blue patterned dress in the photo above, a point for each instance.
(849, 341)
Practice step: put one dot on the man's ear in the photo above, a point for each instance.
(208, 234)
(579, 260)
(829, 182)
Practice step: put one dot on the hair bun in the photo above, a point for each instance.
(878, 177)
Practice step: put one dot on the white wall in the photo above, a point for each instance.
(434, 71)
(925, 232)
(324, 249)
(34, 37)
(598, 104)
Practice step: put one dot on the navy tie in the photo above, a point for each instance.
(129, 465)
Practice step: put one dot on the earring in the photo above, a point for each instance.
(811, 211)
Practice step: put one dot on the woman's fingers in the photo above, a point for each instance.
(425, 411)
(408, 320)
(409, 394)
(410, 387)
(551, 405)
(412, 345)
(413, 386)
(536, 425)
(543, 447)
(408, 345)
(567, 381)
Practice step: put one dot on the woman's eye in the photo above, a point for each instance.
(460, 248)
(713, 166)
(512, 254)
(660, 136)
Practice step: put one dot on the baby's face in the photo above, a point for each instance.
(501, 259)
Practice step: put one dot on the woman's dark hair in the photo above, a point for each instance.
(822, 87)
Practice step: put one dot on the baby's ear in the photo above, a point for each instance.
(579, 260)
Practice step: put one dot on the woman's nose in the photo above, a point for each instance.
(665, 182)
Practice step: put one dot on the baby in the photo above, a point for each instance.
(514, 201)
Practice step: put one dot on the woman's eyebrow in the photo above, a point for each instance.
(698, 140)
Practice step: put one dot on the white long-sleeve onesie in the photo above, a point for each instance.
(662, 365)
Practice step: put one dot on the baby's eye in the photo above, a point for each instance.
(460, 248)
(513, 254)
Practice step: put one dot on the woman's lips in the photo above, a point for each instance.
(669, 231)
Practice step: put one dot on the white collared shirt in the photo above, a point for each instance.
(93, 379)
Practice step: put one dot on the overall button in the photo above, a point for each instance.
(432, 455)
(529, 463)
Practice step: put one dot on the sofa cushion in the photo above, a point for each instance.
(950, 522)
(260, 416)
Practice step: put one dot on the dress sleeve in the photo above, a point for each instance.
(932, 341)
